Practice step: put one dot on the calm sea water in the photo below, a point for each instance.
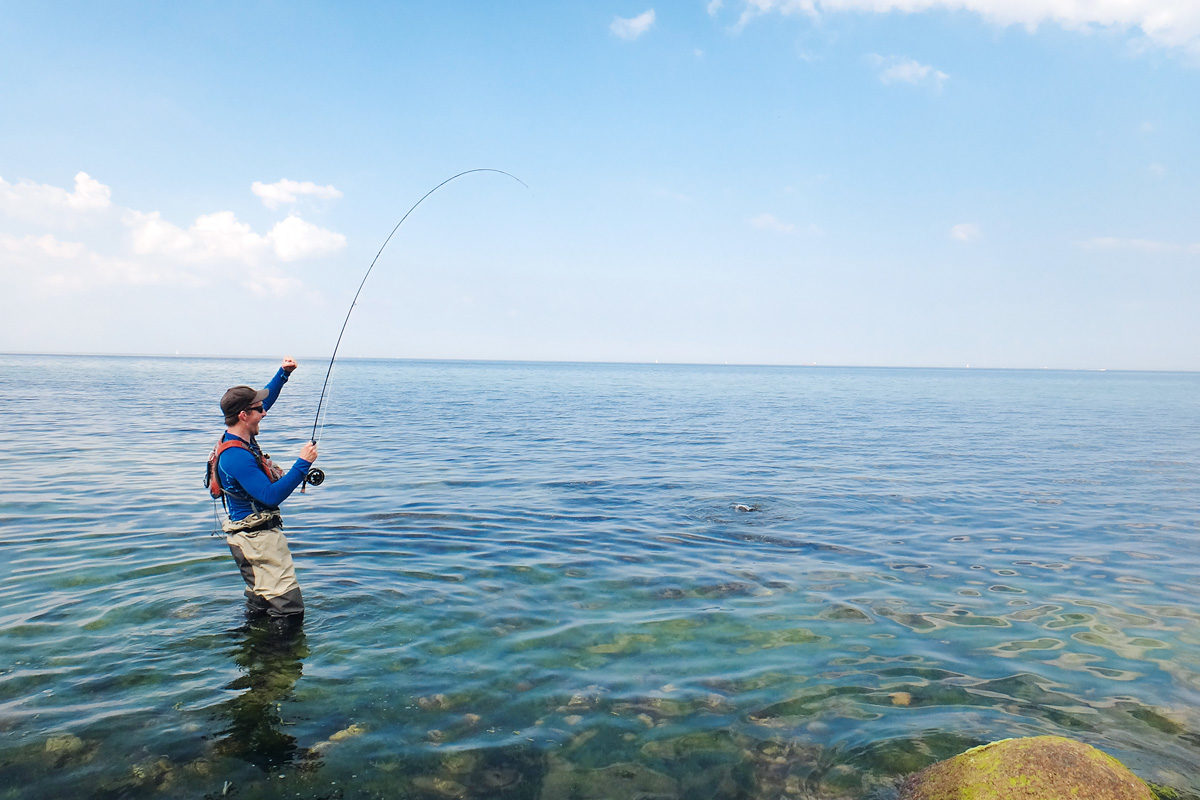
(586, 581)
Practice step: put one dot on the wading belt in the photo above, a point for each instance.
(253, 523)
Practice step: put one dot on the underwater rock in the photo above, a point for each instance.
(841, 781)
(707, 747)
(780, 768)
(580, 739)
(151, 775)
(624, 780)
(434, 702)
(349, 732)
(157, 772)
(61, 747)
(579, 700)
(460, 763)
(499, 778)
(199, 769)
(345, 733)
(1033, 768)
(69, 749)
(845, 613)
(441, 787)
(726, 589)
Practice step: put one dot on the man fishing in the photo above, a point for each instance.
(252, 488)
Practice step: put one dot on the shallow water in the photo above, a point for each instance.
(553, 581)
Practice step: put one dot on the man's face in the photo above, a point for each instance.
(253, 416)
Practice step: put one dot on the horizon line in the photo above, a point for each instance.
(601, 362)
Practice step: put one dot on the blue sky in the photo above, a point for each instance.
(891, 182)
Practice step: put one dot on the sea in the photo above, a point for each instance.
(583, 581)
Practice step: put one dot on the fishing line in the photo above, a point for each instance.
(328, 404)
(316, 476)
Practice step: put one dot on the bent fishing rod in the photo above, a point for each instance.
(315, 476)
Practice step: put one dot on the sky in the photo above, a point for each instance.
(993, 183)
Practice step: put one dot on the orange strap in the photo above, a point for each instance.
(227, 444)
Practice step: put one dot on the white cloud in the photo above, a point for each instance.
(49, 205)
(57, 265)
(150, 235)
(906, 70)
(634, 27)
(212, 238)
(269, 285)
(758, 8)
(221, 237)
(132, 247)
(89, 193)
(1139, 245)
(965, 232)
(39, 246)
(1173, 23)
(293, 239)
(284, 191)
(769, 222)
(714, 6)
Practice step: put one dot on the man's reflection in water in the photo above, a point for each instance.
(271, 662)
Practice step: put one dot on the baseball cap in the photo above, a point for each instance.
(239, 398)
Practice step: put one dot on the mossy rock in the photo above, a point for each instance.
(1034, 768)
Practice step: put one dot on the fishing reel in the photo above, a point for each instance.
(315, 477)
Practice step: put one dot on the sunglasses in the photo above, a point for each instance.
(259, 409)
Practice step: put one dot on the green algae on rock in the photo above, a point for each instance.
(1033, 768)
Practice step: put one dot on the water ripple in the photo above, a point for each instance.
(556, 580)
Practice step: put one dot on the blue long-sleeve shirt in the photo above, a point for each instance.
(247, 488)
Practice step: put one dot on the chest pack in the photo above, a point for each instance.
(213, 481)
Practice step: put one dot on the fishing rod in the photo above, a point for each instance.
(315, 476)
